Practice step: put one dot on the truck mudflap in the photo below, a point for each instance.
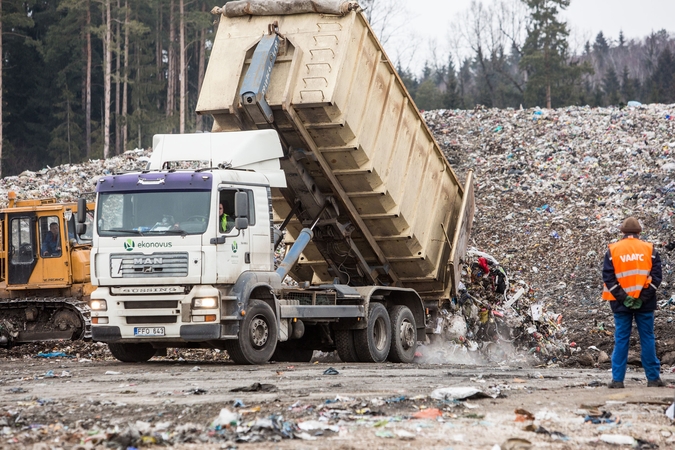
(460, 241)
(36, 319)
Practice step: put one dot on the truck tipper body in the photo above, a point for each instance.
(316, 149)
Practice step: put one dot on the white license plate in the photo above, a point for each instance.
(148, 331)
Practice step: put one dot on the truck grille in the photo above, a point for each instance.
(142, 320)
(135, 265)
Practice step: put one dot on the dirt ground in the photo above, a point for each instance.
(90, 400)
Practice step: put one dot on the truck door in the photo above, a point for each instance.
(22, 247)
(233, 256)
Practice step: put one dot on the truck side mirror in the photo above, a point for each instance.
(241, 210)
(81, 210)
(80, 228)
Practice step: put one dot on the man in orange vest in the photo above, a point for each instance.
(631, 273)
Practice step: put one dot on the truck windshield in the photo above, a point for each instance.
(152, 213)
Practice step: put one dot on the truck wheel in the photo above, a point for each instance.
(372, 344)
(258, 335)
(403, 335)
(292, 351)
(132, 352)
(344, 343)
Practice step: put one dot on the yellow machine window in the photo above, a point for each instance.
(50, 234)
(22, 246)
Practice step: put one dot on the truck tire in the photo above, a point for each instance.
(344, 343)
(292, 351)
(258, 335)
(372, 344)
(140, 352)
(403, 335)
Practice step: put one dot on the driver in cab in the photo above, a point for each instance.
(226, 221)
(51, 245)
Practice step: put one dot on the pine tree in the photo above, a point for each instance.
(465, 84)
(601, 49)
(663, 78)
(451, 98)
(611, 86)
(550, 78)
(409, 80)
(628, 90)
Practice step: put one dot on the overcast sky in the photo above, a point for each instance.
(431, 19)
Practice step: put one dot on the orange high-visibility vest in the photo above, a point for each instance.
(632, 261)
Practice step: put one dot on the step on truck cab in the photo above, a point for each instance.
(316, 140)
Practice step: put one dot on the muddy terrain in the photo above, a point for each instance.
(198, 399)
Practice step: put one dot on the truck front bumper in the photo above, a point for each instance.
(188, 333)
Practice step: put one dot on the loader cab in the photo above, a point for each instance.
(41, 247)
(38, 250)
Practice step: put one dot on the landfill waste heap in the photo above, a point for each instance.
(552, 187)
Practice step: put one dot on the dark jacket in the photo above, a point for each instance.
(648, 295)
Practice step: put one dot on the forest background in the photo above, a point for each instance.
(86, 79)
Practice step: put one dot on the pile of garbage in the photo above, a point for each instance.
(552, 187)
(70, 181)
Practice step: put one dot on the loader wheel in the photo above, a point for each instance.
(372, 344)
(258, 335)
(292, 351)
(344, 343)
(140, 352)
(403, 335)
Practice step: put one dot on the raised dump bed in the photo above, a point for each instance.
(336, 96)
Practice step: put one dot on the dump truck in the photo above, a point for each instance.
(44, 271)
(319, 213)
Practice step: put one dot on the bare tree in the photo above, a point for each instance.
(159, 50)
(1, 69)
(117, 77)
(171, 70)
(201, 48)
(490, 33)
(107, 51)
(125, 74)
(386, 17)
(87, 81)
(182, 77)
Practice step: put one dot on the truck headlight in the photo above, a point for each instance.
(205, 303)
(98, 305)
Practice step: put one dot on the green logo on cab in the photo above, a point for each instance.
(234, 246)
(129, 245)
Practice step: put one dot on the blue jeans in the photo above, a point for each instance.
(623, 323)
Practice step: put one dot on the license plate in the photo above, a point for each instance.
(148, 331)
